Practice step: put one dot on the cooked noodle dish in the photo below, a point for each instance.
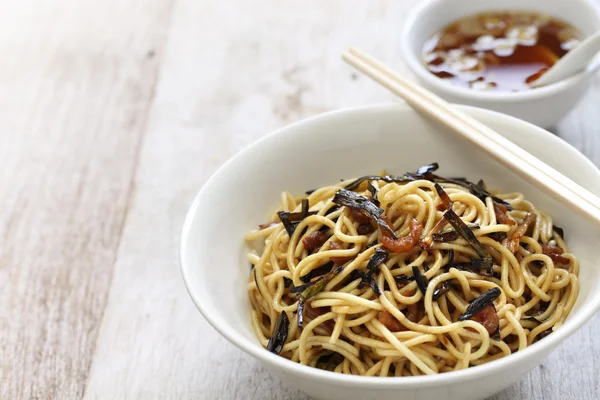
(403, 275)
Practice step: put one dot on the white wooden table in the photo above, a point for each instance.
(112, 115)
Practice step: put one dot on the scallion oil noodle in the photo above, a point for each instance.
(428, 295)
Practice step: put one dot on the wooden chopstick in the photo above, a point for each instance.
(484, 129)
(498, 147)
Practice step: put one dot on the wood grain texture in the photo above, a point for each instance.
(207, 108)
(274, 62)
(96, 306)
(76, 79)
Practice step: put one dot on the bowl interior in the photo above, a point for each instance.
(352, 143)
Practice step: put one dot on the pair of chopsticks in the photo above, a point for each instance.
(503, 150)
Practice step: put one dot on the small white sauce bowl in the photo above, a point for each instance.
(543, 106)
(351, 143)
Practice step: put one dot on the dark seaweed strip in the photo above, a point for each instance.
(324, 229)
(473, 266)
(443, 196)
(297, 216)
(373, 243)
(421, 279)
(442, 290)
(320, 283)
(300, 313)
(365, 277)
(279, 335)
(256, 282)
(355, 184)
(332, 209)
(322, 270)
(426, 172)
(377, 258)
(309, 192)
(299, 289)
(310, 289)
(480, 191)
(480, 303)
(560, 231)
(386, 178)
(456, 181)
(462, 228)
(304, 212)
(481, 264)
(373, 191)
(538, 263)
(374, 285)
(498, 236)
(436, 178)
(446, 236)
(475, 189)
(287, 224)
(330, 362)
(291, 220)
(469, 236)
(481, 186)
(427, 169)
(542, 335)
(351, 199)
(450, 258)
(404, 278)
(543, 306)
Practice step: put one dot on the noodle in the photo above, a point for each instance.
(445, 302)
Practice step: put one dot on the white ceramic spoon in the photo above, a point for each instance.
(574, 61)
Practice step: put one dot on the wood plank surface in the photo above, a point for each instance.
(76, 79)
(114, 114)
(215, 97)
(291, 69)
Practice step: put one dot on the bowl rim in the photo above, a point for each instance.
(413, 61)
(570, 326)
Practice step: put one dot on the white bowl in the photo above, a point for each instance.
(351, 143)
(542, 106)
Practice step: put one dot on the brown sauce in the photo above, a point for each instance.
(502, 51)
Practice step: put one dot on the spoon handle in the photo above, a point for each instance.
(576, 60)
